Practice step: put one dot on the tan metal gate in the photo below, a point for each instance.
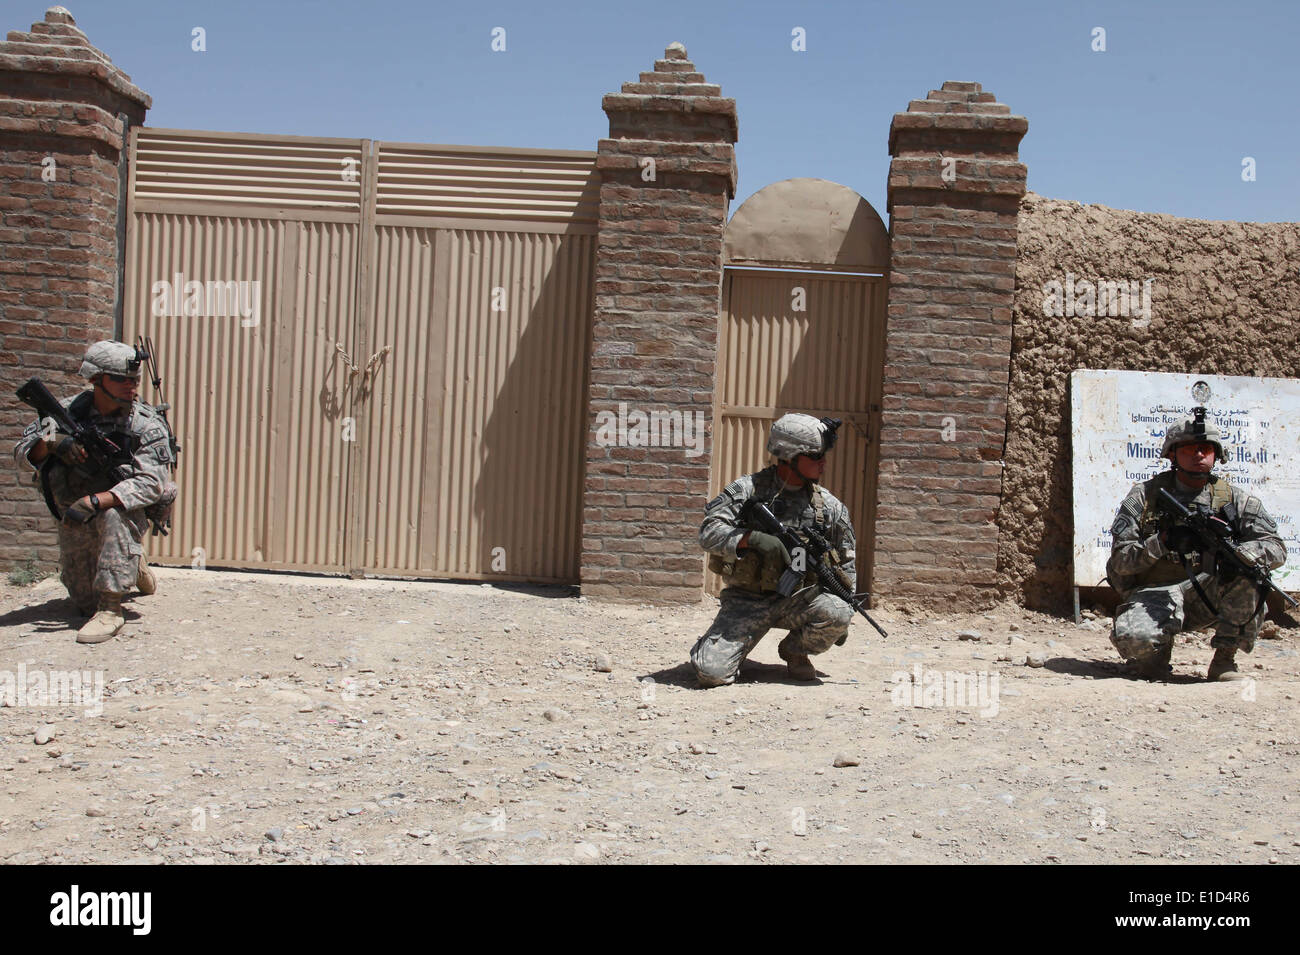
(811, 343)
(407, 397)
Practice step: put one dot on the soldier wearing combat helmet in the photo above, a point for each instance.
(750, 562)
(1168, 583)
(103, 516)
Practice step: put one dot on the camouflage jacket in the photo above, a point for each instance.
(147, 456)
(1138, 559)
(722, 529)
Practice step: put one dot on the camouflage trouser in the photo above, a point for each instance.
(102, 556)
(815, 621)
(1146, 623)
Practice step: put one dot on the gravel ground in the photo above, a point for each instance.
(280, 718)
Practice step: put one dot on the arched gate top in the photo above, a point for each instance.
(807, 223)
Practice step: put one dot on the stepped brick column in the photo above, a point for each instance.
(955, 184)
(61, 141)
(667, 172)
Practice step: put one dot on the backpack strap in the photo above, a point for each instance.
(1221, 502)
(819, 505)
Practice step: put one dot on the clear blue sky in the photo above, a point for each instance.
(1158, 122)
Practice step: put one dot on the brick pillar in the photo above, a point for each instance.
(955, 184)
(60, 144)
(667, 172)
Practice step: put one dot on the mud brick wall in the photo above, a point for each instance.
(667, 173)
(60, 144)
(954, 188)
(1225, 300)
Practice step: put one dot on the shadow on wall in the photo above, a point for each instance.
(520, 401)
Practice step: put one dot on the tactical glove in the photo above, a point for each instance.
(1181, 539)
(67, 450)
(770, 548)
(80, 512)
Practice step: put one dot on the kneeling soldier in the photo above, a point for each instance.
(750, 562)
(104, 515)
(1168, 583)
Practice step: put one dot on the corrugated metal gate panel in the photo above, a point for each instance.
(177, 165)
(313, 403)
(217, 373)
(386, 419)
(446, 181)
(399, 450)
(512, 418)
(823, 360)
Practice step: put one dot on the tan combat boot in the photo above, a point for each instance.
(797, 665)
(145, 581)
(105, 624)
(1157, 666)
(1224, 666)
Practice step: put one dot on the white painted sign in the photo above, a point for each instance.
(1117, 425)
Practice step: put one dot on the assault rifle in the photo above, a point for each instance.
(1216, 536)
(145, 350)
(813, 550)
(102, 453)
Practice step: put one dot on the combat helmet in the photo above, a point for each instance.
(796, 434)
(109, 357)
(1192, 431)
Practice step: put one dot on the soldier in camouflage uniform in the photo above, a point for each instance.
(750, 562)
(1146, 563)
(105, 519)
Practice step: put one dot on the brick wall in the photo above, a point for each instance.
(954, 186)
(654, 340)
(58, 234)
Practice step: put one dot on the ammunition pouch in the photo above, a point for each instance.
(746, 571)
(750, 572)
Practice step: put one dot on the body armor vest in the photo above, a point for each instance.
(1169, 568)
(747, 571)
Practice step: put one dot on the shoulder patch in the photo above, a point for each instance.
(1252, 506)
(716, 501)
(145, 412)
(842, 513)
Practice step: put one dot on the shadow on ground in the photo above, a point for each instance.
(56, 615)
(683, 675)
(1109, 670)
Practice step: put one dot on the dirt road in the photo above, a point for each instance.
(278, 718)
